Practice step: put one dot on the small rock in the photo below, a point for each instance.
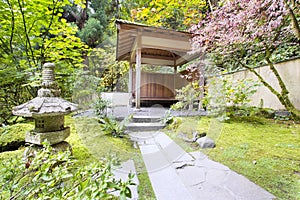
(62, 146)
(206, 142)
(197, 135)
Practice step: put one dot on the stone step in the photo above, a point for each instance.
(145, 126)
(145, 119)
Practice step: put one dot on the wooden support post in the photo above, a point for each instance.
(201, 84)
(138, 73)
(130, 84)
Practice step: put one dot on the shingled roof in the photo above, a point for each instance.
(159, 46)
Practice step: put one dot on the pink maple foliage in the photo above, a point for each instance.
(247, 22)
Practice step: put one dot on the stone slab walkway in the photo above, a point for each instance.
(178, 175)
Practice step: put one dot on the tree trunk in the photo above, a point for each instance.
(292, 15)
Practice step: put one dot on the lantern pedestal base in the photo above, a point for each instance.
(54, 137)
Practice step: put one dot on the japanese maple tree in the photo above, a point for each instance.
(250, 32)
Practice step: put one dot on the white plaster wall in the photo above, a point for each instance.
(290, 73)
(116, 98)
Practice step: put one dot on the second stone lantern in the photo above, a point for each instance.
(48, 111)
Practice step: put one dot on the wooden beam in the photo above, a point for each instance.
(154, 61)
(138, 72)
(159, 57)
(137, 43)
(187, 57)
(133, 52)
(165, 35)
(166, 44)
(130, 84)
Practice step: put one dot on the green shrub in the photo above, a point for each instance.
(111, 126)
(48, 175)
(187, 96)
(171, 121)
(226, 98)
(101, 106)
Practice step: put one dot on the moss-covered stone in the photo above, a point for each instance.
(53, 137)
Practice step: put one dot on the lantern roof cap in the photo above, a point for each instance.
(48, 102)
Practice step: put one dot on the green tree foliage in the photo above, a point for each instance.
(48, 175)
(103, 64)
(91, 33)
(33, 32)
(177, 15)
(95, 20)
(86, 89)
(92, 20)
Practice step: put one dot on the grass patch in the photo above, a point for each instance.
(265, 151)
(102, 145)
(186, 126)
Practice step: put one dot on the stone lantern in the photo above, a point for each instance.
(48, 111)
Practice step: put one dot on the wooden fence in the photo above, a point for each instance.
(159, 87)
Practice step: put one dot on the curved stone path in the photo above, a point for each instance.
(177, 175)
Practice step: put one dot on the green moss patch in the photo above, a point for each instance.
(12, 137)
(11, 154)
(80, 151)
(100, 144)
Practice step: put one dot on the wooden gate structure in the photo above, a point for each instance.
(158, 87)
(140, 44)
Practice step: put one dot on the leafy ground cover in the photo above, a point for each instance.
(89, 144)
(264, 150)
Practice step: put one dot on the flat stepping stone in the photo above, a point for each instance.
(147, 119)
(145, 126)
(242, 188)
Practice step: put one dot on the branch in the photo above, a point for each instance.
(261, 79)
(43, 50)
(210, 6)
(12, 26)
(4, 47)
(75, 16)
(295, 23)
(26, 34)
(284, 91)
